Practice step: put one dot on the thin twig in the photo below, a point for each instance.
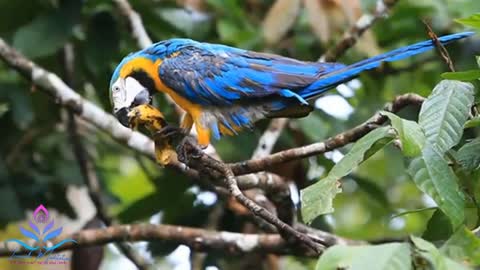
(337, 141)
(440, 48)
(351, 36)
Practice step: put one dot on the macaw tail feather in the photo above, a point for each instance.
(332, 79)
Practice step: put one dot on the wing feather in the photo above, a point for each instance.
(217, 75)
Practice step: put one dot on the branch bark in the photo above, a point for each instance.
(197, 239)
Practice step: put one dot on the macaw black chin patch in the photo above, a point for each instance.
(145, 80)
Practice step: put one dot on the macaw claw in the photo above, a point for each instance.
(188, 148)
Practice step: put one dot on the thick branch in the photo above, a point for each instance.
(197, 239)
(351, 36)
(337, 141)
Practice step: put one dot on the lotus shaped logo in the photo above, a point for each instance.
(42, 229)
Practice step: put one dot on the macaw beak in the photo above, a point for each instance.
(143, 97)
(122, 116)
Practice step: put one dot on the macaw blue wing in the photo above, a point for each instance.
(217, 75)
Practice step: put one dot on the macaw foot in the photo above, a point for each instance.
(188, 149)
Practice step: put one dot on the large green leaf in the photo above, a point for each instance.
(394, 256)
(464, 245)
(410, 134)
(445, 112)
(469, 155)
(317, 199)
(433, 176)
(47, 33)
(436, 259)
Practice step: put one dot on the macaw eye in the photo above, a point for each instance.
(116, 89)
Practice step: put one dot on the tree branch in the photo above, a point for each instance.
(351, 36)
(337, 141)
(196, 239)
(193, 156)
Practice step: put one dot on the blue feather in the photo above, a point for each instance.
(289, 94)
(336, 77)
(215, 130)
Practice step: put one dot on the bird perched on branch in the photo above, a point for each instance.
(224, 89)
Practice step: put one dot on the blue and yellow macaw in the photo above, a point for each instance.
(224, 89)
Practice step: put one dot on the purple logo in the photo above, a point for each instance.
(41, 230)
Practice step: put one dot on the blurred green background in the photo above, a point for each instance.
(37, 164)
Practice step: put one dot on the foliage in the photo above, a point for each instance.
(438, 164)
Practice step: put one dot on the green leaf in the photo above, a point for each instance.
(437, 260)
(464, 245)
(474, 122)
(47, 33)
(444, 113)
(394, 256)
(468, 75)
(469, 155)
(317, 199)
(438, 227)
(473, 21)
(410, 134)
(433, 176)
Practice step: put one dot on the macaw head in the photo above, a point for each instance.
(136, 78)
(132, 84)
